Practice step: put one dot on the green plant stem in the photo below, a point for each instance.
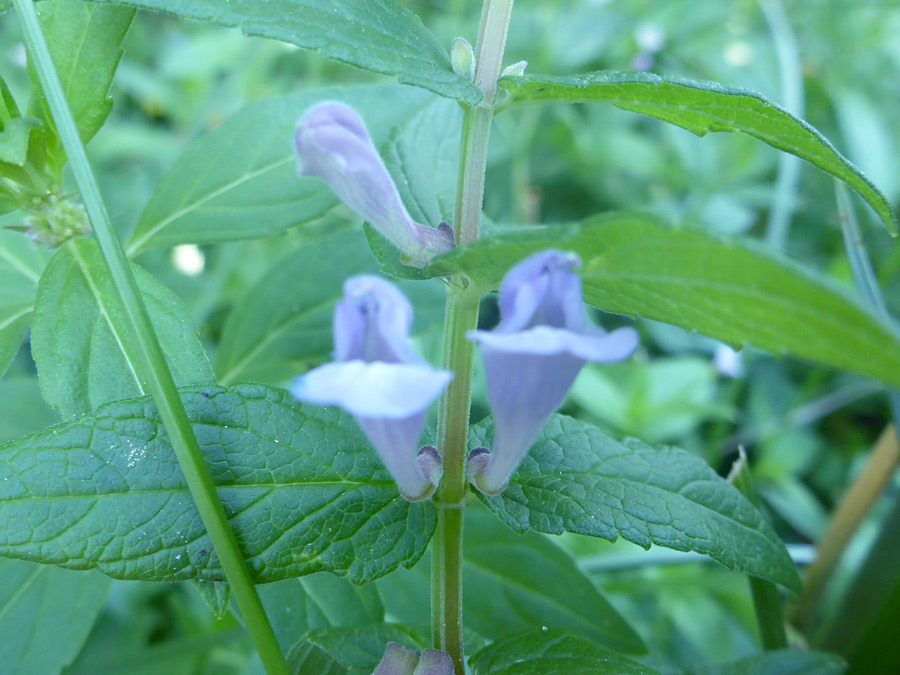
(863, 274)
(462, 316)
(453, 427)
(766, 601)
(153, 367)
(788, 54)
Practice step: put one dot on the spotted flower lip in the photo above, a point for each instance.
(332, 143)
(533, 356)
(379, 379)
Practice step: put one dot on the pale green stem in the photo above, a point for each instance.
(152, 365)
(766, 600)
(459, 354)
(788, 55)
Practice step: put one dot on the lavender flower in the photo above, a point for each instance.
(380, 381)
(531, 358)
(332, 143)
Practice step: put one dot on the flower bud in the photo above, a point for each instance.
(332, 143)
(515, 70)
(463, 59)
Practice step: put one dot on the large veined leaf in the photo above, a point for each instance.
(240, 182)
(517, 582)
(732, 291)
(577, 479)
(46, 614)
(85, 42)
(701, 107)
(21, 264)
(378, 35)
(552, 652)
(303, 492)
(83, 354)
(284, 323)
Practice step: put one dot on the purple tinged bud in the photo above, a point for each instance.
(434, 662)
(398, 660)
(533, 356)
(332, 143)
(477, 462)
(379, 380)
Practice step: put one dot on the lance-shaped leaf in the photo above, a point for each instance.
(577, 479)
(46, 614)
(302, 490)
(240, 181)
(379, 35)
(736, 292)
(701, 107)
(85, 42)
(84, 356)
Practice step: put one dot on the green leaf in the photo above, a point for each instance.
(8, 108)
(323, 600)
(24, 410)
(239, 181)
(781, 662)
(422, 156)
(577, 479)
(515, 582)
(659, 400)
(85, 42)
(195, 653)
(215, 594)
(284, 322)
(347, 651)
(733, 291)
(552, 652)
(14, 138)
(378, 35)
(302, 489)
(84, 357)
(46, 614)
(701, 107)
(21, 264)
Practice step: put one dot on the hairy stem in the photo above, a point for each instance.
(153, 367)
(462, 316)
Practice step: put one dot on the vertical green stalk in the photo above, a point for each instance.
(766, 601)
(153, 367)
(462, 316)
(788, 54)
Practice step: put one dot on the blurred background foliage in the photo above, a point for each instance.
(808, 430)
